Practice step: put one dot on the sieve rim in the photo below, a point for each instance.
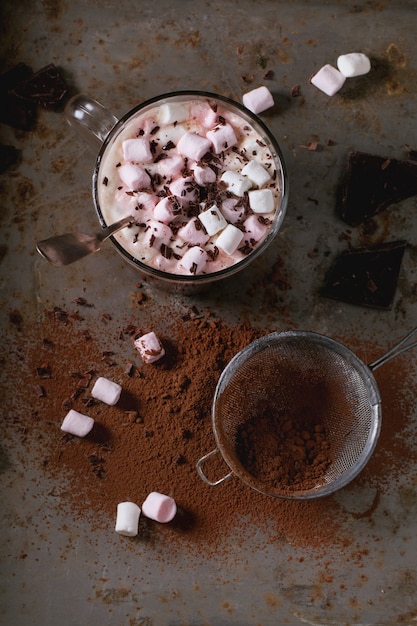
(365, 372)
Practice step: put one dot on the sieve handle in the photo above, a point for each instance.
(397, 349)
(202, 474)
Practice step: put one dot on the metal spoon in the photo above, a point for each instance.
(65, 249)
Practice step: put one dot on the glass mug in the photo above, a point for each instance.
(96, 125)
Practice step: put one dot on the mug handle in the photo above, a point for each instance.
(90, 119)
(202, 474)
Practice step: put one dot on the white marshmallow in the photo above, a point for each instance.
(171, 112)
(127, 520)
(194, 261)
(353, 64)
(261, 200)
(149, 347)
(229, 239)
(156, 234)
(212, 220)
(137, 150)
(77, 424)
(193, 233)
(167, 209)
(256, 173)
(193, 146)
(159, 507)
(134, 177)
(258, 99)
(222, 137)
(107, 391)
(236, 183)
(328, 79)
(255, 229)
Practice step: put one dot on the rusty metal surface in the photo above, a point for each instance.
(122, 53)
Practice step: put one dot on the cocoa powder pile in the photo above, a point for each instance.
(152, 439)
(284, 452)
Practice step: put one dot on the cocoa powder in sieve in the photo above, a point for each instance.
(284, 452)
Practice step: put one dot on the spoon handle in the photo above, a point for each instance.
(113, 228)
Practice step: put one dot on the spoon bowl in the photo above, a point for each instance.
(70, 247)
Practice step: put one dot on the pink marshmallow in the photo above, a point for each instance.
(145, 201)
(134, 177)
(211, 117)
(149, 347)
(77, 424)
(107, 391)
(194, 261)
(258, 99)
(137, 150)
(167, 209)
(203, 175)
(172, 166)
(230, 211)
(156, 234)
(222, 137)
(328, 79)
(255, 229)
(193, 233)
(185, 189)
(159, 507)
(193, 146)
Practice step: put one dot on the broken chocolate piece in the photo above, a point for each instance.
(9, 155)
(373, 183)
(366, 276)
(14, 111)
(46, 88)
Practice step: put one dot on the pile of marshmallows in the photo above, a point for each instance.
(330, 79)
(157, 506)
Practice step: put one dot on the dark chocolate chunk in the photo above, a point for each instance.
(366, 276)
(373, 183)
(14, 111)
(8, 156)
(46, 88)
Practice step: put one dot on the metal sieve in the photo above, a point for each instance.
(298, 377)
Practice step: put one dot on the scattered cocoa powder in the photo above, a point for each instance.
(152, 439)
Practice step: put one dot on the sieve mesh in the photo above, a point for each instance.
(298, 377)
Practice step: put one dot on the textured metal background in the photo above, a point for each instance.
(121, 53)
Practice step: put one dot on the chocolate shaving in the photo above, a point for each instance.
(46, 88)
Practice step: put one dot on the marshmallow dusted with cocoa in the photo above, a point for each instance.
(107, 391)
(258, 99)
(127, 520)
(149, 347)
(159, 507)
(77, 424)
